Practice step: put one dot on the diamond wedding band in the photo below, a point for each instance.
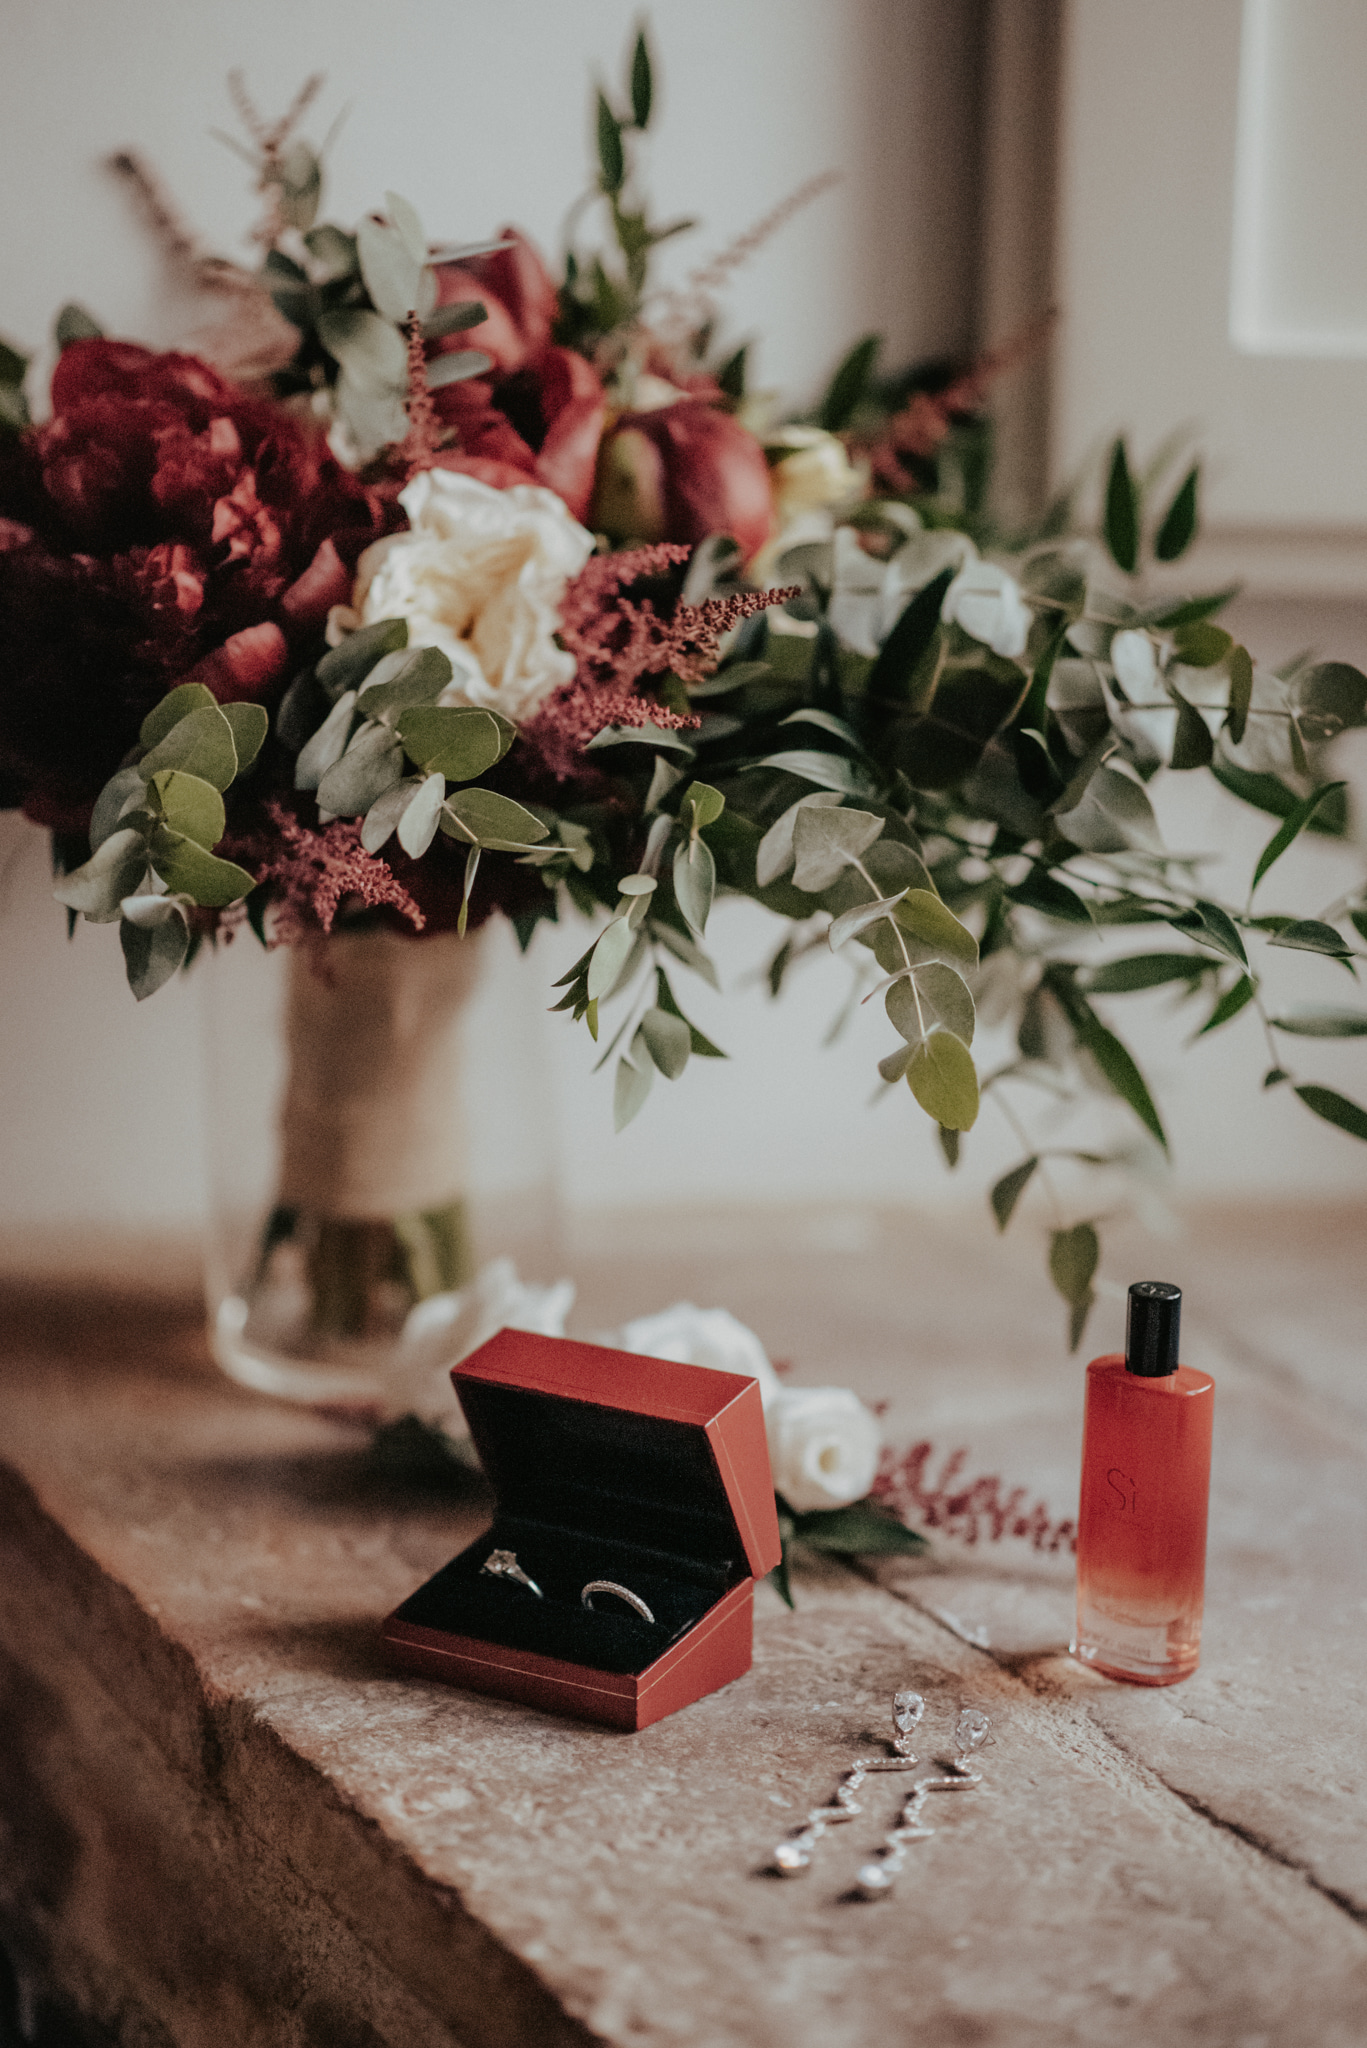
(622, 1592)
(503, 1564)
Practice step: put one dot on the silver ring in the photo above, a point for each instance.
(622, 1592)
(503, 1564)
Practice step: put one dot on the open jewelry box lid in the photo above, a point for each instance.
(613, 1444)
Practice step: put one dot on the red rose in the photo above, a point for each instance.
(538, 417)
(518, 295)
(681, 472)
(540, 425)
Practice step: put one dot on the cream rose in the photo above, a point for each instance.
(480, 574)
(810, 468)
(823, 1447)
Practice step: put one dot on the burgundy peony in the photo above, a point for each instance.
(164, 525)
(681, 472)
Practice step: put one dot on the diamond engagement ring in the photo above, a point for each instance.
(503, 1564)
(622, 1592)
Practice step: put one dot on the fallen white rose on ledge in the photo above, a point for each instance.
(823, 1441)
(823, 1447)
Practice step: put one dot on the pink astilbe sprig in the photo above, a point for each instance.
(317, 871)
(418, 449)
(970, 1510)
(618, 640)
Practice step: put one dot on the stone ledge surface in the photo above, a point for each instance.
(226, 1821)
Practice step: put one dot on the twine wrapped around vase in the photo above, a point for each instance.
(370, 1120)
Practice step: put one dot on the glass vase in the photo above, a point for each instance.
(380, 1127)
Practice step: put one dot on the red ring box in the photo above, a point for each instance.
(606, 1465)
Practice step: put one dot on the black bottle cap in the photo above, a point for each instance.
(1153, 1324)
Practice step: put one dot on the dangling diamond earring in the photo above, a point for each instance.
(874, 1879)
(793, 1857)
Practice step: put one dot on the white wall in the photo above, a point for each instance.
(479, 114)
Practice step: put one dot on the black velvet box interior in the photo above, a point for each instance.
(587, 1492)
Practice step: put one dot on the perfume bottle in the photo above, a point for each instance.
(1141, 1539)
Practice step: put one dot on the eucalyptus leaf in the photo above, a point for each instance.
(250, 724)
(609, 957)
(116, 869)
(348, 665)
(190, 871)
(1330, 697)
(201, 742)
(775, 854)
(391, 272)
(495, 821)
(828, 771)
(190, 805)
(418, 825)
(461, 740)
(154, 944)
(454, 319)
(373, 762)
(327, 745)
(826, 841)
(687, 952)
(851, 922)
(705, 803)
(668, 1040)
(404, 679)
(456, 366)
(695, 880)
(647, 735)
(403, 216)
(932, 997)
(938, 933)
(123, 792)
(893, 1065)
(630, 1088)
(942, 1077)
(175, 705)
(1113, 816)
(384, 814)
(369, 347)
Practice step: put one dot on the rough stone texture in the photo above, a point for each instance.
(226, 1822)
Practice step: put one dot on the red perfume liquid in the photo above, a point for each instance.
(1141, 1544)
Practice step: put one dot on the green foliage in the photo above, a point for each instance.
(1121, 527)
(1178, 529)
(849, 385)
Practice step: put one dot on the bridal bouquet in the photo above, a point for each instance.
(434, 586)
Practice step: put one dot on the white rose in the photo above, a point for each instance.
(480, 574)
(987, 603)
(702, 1336)
(823, 1447)
(447, 1327)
